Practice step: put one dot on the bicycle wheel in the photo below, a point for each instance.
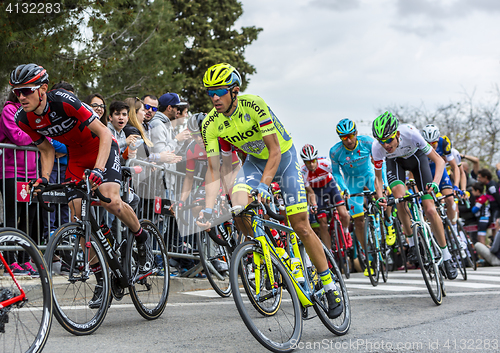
(471, 250)
(455, 249)
(149, 291)
(428, 266)
(73, 295)
(282, 330)
(337, 247)
(372, 259)
(266, 304)
(341, 324)
(384, 253)
(24, 325)
(401, 241)
(215, 260)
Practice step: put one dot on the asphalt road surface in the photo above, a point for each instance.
(397, 316)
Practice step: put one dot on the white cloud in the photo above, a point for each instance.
(320, 61)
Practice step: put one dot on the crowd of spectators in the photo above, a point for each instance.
(148, 129)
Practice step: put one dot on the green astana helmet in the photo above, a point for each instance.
(384, 126)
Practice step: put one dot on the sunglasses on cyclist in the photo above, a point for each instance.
(349, 136)
(219, 92)
(389, 139)
(95, 106)
(26, 91)
(147, 107)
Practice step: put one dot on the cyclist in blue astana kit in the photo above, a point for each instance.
(442, 146)
(248, 123)
(353, 156)
(404, 149)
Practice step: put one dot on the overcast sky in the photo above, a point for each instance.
(319, 61)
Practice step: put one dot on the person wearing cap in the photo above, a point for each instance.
(165, 142)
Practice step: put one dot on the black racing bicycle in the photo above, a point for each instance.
(81, 300)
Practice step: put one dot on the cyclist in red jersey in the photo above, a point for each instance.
(321, 186)
(197, 155)
(60, 115)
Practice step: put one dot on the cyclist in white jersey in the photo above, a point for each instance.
(404, 149)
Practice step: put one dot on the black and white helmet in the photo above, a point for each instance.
(194, 122)
(28, 73)
(430, 133)
(308, 153)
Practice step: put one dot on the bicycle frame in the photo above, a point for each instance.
(417, 219)
(303, 292)
(89, 224)
(21, 296)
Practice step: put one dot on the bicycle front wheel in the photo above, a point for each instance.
(471, 250)
(24, 325)
(385, 252)
(281, 330)
(215, 260)
(428, 266)
(455, 249)
(401, 241)
(80, 300)
(372, 251)
(149, 290)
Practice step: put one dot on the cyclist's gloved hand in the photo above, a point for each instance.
(434, 186)
(381, 201)
(96, 176)
(42, 183)
(264, 191)
(206, 215)
(314, 209)
(346, 194)
(456, 189)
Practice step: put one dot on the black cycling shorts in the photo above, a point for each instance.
(418, 164)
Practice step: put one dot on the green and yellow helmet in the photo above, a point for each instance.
(221, 75)
(384, 126)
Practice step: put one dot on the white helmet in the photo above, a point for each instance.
(430, 133)
(308, 153)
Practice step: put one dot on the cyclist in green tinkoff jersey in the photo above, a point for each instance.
(248, 123)
(404, 149)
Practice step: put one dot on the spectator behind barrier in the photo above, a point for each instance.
(11, 133)
(135, 126)
(98, 104)
(484, 176)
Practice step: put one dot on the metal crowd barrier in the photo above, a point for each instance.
(157, 187)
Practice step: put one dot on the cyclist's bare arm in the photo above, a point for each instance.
(212, 181)
(463, 178)
(379, 183)
(186, 186)
(456, 172)
(105, 139)
(47, 156)
(440, 165)
(311, 196)
(273, 145)
(227, 172)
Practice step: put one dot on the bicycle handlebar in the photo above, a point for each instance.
(60, 186)
(405, 198)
